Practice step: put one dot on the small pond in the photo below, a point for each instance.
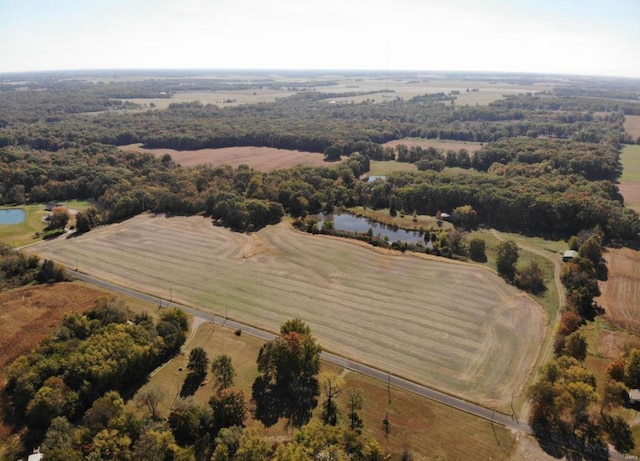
(12, 216)
(351, 223)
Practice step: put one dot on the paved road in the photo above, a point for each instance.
(463, 405)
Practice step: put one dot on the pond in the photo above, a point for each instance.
(350, 223)
(12, 216)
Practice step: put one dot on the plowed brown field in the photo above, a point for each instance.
(621, 292)
(456, 327)
(258, 158)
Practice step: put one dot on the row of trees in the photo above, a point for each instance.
(18, 269)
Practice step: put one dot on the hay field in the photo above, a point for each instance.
(258, 158)
(407, 88)
(219, 98)
(455, 327)
(621, 292)
(630, 180)
(632, 125)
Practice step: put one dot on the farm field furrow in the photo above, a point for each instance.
(456, 327)
(621, 291)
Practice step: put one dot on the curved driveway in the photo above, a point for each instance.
(454, 402)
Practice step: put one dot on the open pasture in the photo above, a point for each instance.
(453, 326)
(219, 98)
(408, 87)
(632, 125)
(630, 180)
(258, 158)
(621, 292)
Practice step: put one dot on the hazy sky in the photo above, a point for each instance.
(600, 37)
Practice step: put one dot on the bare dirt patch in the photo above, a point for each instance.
(258, 158)
(632, 125)
(621, 292)
(456, 327)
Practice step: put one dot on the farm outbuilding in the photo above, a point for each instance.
(569, 255)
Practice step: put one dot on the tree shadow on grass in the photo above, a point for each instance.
(191, 384)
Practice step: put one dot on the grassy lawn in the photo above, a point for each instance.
(631, 163)
(24, 233)
(18, 235)
(427, 428)
(406, 221)
(382, 168)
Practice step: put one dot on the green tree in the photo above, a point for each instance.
(477, 248)
(287, 385)
(332, 153)
(59, 443)
(576, 346)
(464, 216)
(507, 257)
(154, 445)
(229, 408)
(189, 422)
(51, 272)
(591, 249)
(197, 366)
(223, 370)
(253, 447)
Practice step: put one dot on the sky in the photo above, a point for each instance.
(593, 37)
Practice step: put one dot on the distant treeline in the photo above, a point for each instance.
(51, 119)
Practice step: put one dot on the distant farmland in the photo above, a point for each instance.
(258, 158)
(453, 326)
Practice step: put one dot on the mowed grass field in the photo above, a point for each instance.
(630, 180)
(258, 158)
(621, 292)
(455, 327)
(16, 235)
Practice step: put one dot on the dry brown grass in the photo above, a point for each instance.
(632, 125)
(258, 158)
(621, 292)
(423, 426)
(456, 327)
(28, 315)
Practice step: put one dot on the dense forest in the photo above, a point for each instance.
(548, 156)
